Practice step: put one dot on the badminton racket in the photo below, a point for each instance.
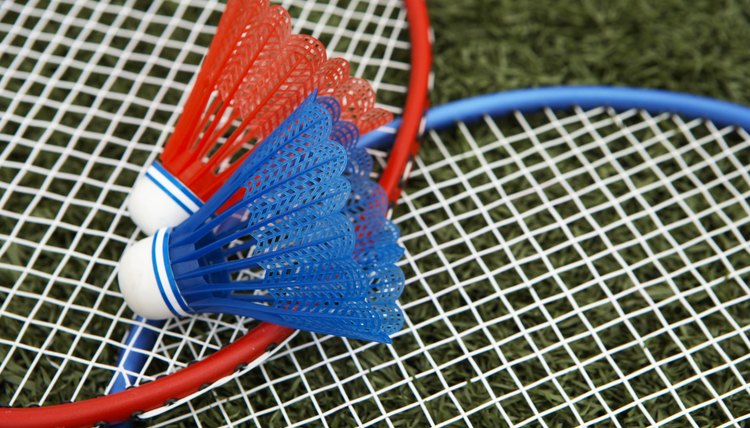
(82, 85)
(574, 257)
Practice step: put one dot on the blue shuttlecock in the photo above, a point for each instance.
(275, 243)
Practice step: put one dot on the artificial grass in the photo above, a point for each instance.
(486, 46)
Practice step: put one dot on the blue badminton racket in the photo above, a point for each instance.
(575, 256)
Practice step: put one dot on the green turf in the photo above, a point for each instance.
(485, 46)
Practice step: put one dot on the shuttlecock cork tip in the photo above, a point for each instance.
(138, 282)
(159, 200)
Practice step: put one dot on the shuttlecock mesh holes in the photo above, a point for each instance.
(288, 242)
(313, 197)
(261, 81)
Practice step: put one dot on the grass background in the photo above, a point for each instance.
(484, 46)
(693, 46)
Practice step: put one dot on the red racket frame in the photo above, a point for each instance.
(120, 406)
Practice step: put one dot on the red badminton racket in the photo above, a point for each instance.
(64, 323)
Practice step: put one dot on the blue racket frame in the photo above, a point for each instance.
(557, 97)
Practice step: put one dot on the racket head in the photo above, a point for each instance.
(584, 264)
(86, 108)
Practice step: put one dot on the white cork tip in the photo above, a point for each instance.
(159, 200)
(138, 282)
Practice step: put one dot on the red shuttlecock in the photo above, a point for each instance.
(255, 74)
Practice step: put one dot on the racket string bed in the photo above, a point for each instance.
(612, 244)
(90, 93)
(574, 266)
